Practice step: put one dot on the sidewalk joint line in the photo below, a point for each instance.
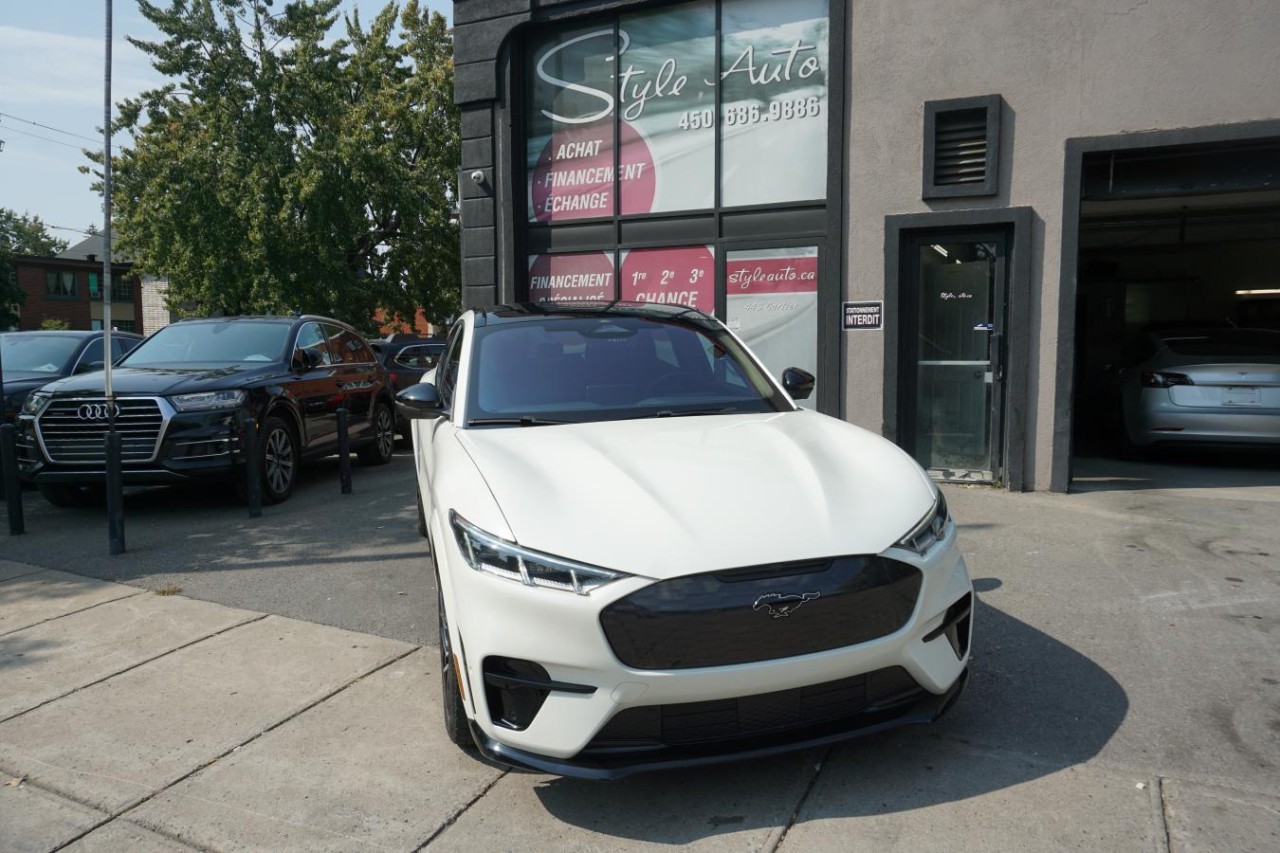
(35, 570)
(128, 807)
(1161, 809)
(804, 798)
(132, 667)
(453, 818)
(74, 612)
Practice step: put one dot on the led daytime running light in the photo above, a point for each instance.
(931, 529)
(487, 553)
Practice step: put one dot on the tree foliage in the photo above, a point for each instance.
(280, 171)
(20, 234)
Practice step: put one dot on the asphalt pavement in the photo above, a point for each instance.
(1125, 692)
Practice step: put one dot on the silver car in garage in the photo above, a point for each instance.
(1210, 386)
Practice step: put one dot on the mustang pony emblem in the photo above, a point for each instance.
(780, 605)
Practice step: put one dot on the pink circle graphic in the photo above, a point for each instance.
(574, 176)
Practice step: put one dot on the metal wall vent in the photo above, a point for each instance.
(961, 143)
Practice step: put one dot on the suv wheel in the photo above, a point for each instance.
(277, 461)
(378, 451)
(454, 711)
(70, 496)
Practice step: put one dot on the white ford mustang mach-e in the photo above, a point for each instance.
(648, 556)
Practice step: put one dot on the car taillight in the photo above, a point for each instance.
(393, 377)
(1165, 380)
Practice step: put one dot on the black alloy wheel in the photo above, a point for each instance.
(452, 708)
(279, 456)
(379, 451)
(68, 496)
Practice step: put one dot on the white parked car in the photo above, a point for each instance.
(648, 556)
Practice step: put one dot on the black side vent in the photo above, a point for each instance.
(961, 146)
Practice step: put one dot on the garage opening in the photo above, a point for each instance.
(1177, 347)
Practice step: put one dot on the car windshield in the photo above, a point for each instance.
(579, 369)
(217, 343)
(37, 353)
(1224, 343)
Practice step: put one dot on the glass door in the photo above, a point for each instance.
(955, 355)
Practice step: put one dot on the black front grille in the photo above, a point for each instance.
(761, 613)
(817, 706)
(73, 430)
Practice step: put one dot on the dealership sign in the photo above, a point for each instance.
(623, 120)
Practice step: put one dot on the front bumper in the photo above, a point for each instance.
(189, 447)
(568, 730)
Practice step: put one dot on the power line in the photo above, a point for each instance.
(48, 127)
(46, 139)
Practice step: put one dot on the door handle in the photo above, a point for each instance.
(996, 355)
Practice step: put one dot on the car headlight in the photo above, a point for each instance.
(207, 400)
(35, 403)
(485, 552)
(930, 529)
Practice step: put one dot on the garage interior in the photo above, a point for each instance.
(1181, 234)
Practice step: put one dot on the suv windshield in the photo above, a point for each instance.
(38, 353)
(212, 343)
(578, 369)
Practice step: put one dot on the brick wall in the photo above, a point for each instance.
(78, 312)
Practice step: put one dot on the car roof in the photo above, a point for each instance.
(523, 312)
(263, 318)
(70, 333)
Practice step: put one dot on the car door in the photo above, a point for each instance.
(437, 433)
(359, 375)
(315, 387)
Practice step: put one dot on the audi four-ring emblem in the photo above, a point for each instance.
(97, 411)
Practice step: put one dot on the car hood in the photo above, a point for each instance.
(672, 496)
(15, 382)
(163, 380)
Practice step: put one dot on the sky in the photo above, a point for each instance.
(51, 99)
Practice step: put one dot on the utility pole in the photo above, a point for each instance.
(115, 486)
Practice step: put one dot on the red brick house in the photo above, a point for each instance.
(69, 287)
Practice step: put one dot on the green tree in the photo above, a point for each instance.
(26, 234)
(279, 170)
(20, 234)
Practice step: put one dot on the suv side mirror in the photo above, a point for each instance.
(88, 366)
(799, 383)
(420, 401)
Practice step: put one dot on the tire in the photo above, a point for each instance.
(453, 710)
(379, 451)
(278, 459)
(65, 496)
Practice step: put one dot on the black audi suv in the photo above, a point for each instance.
(183, 397)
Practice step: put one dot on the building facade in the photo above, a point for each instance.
(957, 214)
(70, 290)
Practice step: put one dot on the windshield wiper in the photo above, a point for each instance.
(671, 413)
(523, 420)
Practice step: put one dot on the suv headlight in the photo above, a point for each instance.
(207, 400)
(930, 529)
(485, 552)
(35, 403)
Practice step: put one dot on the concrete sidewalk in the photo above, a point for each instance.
(1125, 698)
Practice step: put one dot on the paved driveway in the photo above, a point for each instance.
(1126, 691)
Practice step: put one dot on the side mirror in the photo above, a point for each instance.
(420, 401)
(799, 383)
(88, 366)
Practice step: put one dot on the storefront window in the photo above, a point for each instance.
(680, 276)
(575, 277)
(773, 71)
(667, 98)
(771, 303)
(571, 126)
